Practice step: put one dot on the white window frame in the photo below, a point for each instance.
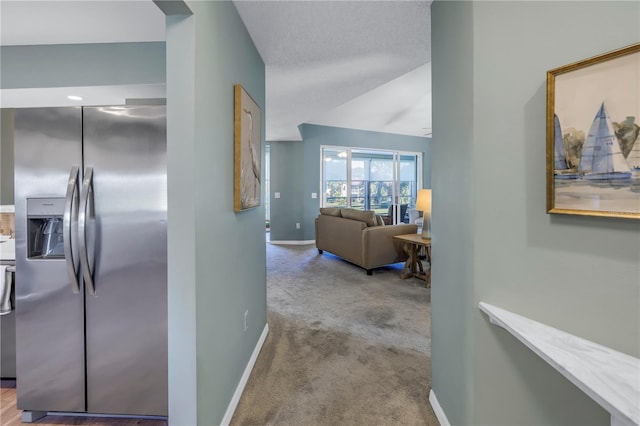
(396, 154)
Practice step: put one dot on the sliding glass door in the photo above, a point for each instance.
(370, 179)
(334, 178)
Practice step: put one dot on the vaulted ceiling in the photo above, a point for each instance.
(327, 60)
(359, 64)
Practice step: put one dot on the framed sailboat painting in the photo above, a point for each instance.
(593, 136)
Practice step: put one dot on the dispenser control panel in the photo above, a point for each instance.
(45, 207)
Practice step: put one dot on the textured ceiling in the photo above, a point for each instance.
(401, 106)
(342, 63)
(320, 55)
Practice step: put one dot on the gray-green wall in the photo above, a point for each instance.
(493, 240)
(313, 137)
(452, 208)
(287, 171)
(217, 258)
(6, 156)
(71, 65)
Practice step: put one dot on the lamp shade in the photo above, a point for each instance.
(423, 203)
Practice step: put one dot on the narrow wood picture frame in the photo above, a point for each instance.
(593, 136)
(247, 151)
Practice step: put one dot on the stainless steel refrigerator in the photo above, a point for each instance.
(91, 259)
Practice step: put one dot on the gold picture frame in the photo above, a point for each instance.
(247, 150)
(593, 136)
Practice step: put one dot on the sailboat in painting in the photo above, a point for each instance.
(561, 169)
(602, 158)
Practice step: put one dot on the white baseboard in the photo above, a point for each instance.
(294, 243)
(437, 409)
(233, 404)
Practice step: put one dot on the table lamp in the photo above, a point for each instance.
(423, 204)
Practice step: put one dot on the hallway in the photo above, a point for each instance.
(343, 348)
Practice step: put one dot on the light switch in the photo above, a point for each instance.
(276, 195)
(314, 195)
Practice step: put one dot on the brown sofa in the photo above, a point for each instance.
(360, 237)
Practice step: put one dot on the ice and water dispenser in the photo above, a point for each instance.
(44, 228)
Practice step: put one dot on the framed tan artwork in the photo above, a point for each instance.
(248, 143)
(593, 130)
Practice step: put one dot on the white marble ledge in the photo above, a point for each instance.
(609, 377)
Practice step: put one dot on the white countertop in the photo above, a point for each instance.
(8, 250)
(609, 377)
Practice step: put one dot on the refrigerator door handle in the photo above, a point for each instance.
(70, 216)
(86, 200)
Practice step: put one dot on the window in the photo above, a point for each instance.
(369, 179)
(334, 182)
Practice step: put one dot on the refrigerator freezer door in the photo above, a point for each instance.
(127, 316)
(49, 316)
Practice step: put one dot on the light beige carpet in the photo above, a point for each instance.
(343, 348)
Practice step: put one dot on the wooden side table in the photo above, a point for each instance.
(413, 244)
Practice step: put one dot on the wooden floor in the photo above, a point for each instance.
(10, 415)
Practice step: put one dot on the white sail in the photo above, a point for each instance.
(560, 156)
(601, 154)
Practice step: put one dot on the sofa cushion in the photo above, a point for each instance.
(380, 220)
(331, 211)
(366, 216)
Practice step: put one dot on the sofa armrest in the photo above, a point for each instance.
(340, 236)
(379, 248)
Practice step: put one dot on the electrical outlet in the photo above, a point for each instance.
(297, 225)
(246, 325)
